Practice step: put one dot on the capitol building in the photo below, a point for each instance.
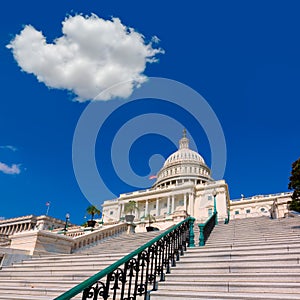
(42, 257)
(184, 186)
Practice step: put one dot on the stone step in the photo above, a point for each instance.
(50, 292)
(166, 295)
(193, 258)
(233, 277)
(64, 263)
(48, 276)
(261, 240)
(230, 266)
(255, 238)
(235, 248)
(278, 268)
(58, 274)
(57, 268)
(25, 297)
(246, 261)
(241, 254)
(25, 282)
(253, 258)
(231, 287)
(74, 258)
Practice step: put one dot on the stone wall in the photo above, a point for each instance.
(41, 242)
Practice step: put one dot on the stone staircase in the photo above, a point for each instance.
(47, 277)
(255, 258)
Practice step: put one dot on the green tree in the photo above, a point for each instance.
(93, 210)
(294, 184)
(130, 207)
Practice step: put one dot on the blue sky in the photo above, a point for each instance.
(241, 56)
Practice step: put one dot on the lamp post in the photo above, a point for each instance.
(66, 223)
(215, 206)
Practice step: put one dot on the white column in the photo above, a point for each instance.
(146, 208)
(168, 205)
(184, 202)
(192, 204)
(119, 211)
(157, 207)
(173, 204)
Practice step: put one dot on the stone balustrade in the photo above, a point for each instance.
(97, 235)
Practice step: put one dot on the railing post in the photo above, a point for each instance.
(191, 232)
(215, 207)
(201, 236)
(228, 215)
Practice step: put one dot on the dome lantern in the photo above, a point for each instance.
(184, 141)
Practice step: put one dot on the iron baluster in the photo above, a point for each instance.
(99, 289)
(116, 277)
(177, 237)
(132, 271)
(161, 259)
(153, 266)
(138, 273)
(141, 287)
(167, 253)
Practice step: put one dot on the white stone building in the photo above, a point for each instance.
(272, 205)
(27, 223)
(184, 186)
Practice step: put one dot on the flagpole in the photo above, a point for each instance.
(48, 206)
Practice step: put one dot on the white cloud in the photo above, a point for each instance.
(11, 170)
(9, 147)
(92, 55)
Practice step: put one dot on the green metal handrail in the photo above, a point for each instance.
(93, 279)
(206, 228)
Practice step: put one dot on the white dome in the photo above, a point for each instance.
(184, 165)
(184, 155)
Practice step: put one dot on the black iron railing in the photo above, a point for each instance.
(138, 273)
(206, 228)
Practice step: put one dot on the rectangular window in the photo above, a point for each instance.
(209, 212)
(248, 211)
(111, 212)
(236, 212)
(209, 197)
